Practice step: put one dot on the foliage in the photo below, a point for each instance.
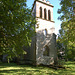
(16, 27)
(11, 69)
(60, 50)
(67, 35)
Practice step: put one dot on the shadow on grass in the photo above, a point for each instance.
(30, 70)
(5, 65)
(23, 71)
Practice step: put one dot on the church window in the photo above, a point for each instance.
(44, 13)
(46, 51)
(49, 15)
(45, 32)
(40, 12)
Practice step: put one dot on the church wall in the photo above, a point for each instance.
(34, 11)
(44, 24)
(40, 44)
(33, 50)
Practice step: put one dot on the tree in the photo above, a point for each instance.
(67, 35)
(16, 27)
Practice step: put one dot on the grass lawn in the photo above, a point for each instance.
(13, 69)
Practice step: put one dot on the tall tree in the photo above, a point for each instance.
(67, 35)
(16, 27)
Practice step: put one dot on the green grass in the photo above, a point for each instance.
(13, 69)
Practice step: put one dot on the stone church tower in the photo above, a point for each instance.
(43, 47)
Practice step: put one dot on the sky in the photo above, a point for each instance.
(56, 5)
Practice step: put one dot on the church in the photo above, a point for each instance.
(43, 45)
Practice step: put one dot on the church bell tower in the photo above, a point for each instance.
(43, 49)
(43, 11)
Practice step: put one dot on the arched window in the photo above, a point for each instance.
(46, 51)
(40, 12)
(44, 13)
(45, 32)
(49, 15)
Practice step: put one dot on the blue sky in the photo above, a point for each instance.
(56, 5)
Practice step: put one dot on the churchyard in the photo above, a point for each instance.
(14, 69)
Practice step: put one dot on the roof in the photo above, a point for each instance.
(41, 2)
